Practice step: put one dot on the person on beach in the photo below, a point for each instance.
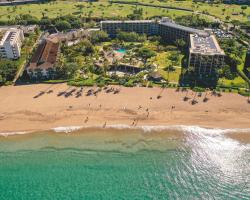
(136, 122)
(104, 125)
(172, 108)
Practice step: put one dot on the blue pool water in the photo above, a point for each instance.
(121, 50)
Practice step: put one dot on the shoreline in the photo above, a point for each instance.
(175, 132)
(41, 107)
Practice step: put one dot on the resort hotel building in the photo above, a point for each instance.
(11, 43)
(170, 31)
(205, 53)
(148, 27)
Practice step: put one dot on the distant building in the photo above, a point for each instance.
(11, 43)
(42, 64)
(71, 35)
(18, 2)
(205, 54)
(149, 27)
(26, 29)
(247, 2)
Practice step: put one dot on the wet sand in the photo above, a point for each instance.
(44, 106)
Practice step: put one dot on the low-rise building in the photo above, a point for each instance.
(205, 54)
(42, 64)
(70, 35)
(11, 43)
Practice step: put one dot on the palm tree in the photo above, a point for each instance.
(105, 66)
(186, 96)
(116, 63)
(194, 101)
(205, 97)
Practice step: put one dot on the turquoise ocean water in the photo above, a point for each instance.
(194, 163)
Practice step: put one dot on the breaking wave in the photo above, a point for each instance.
(145, 128)
(5, 134)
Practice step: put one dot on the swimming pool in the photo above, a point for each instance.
(121, 50)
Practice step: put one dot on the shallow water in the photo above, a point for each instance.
(191, 163)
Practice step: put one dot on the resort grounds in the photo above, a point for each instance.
(46, 106)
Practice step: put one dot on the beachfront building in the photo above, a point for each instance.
(170, 31)
(42, 64)
(148, 27)
(205, 54)
(166, 28)
(11, 43)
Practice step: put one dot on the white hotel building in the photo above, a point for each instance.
(11, 43)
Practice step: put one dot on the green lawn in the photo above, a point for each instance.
(162, 61)
(213, 9)
(98, 9)
(103, 8)
(237, 82)
(171, 76)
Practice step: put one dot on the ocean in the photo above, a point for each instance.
(180, 162)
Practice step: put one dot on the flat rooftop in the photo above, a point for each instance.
(180, 27)
(205, 45)
(163, 22)
(11, 36)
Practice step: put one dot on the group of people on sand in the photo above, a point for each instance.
(136, 120)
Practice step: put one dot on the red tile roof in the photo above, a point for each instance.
(45, 55)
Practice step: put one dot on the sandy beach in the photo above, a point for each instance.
(44, 106)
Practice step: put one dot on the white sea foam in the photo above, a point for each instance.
(145, 128)
(5, 134)
(185, 128)
(150, 128)
(212, 131)
(66, 129)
